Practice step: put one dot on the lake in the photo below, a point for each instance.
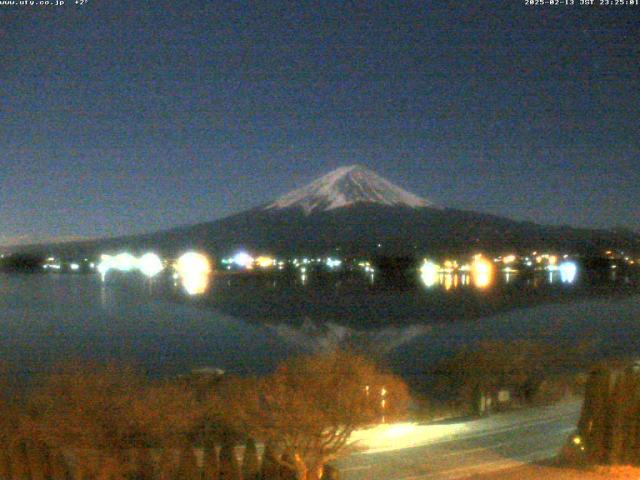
(51, 319)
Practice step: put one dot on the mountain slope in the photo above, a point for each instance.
(354, 211)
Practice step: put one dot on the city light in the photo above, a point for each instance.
(195, 284)
(150, 264)
(333, 262)
(124, 262)
(509, 259)
(448, 281)
(193, 263)
(243, 259)
(568, 272)
(429, 272)
(265, 262)
(194, 269)
(481, 271)
(105, 265)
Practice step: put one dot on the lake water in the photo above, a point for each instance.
(51, 319)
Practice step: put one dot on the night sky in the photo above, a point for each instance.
(121, 117)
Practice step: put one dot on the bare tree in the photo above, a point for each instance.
(311, 405)
(229, 468)
(38, 457)
(250, 462)
(270, 467)
(187, 465)
(59, 467)
(210, 460)
(167, 463)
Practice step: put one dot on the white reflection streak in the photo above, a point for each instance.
(329, 336)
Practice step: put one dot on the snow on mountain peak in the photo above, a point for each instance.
(347, 186)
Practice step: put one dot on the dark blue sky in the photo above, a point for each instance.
(122, 117)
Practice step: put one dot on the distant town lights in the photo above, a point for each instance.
(243, 259)
(192, 263)
(194, 269)
(150, 264)
(264, 261)
(429, 273)
(568, 272)
(124, 262)
(106, 264)
(482, 271)
(333, 262)
(509, 259)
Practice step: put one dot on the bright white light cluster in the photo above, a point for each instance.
(333, 262)
(193, 263)
(481, 271)
(243, 259)
(149, 264)
(429, 272)
(568, 272)
(193, 269)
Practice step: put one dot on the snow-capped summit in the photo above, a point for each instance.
(347, 186)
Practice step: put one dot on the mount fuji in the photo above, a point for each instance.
(353, 211)
(347, 186)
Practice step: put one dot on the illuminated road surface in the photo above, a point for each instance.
(459, 450)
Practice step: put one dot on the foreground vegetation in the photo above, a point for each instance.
(114, 423)
(609, 429)
(532, 372)
(107, 422)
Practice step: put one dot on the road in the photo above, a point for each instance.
(450, 451)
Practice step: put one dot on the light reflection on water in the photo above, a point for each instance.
(481, 279)
(196, 283)
(310, 309)
(194, 271)
(481, 275)
(45, 320)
